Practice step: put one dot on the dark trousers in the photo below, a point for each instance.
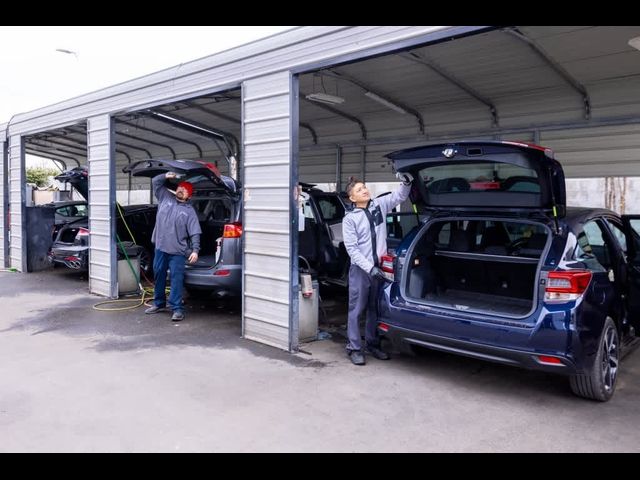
(363, 299)
(175, 264)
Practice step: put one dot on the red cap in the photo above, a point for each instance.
(188, 187)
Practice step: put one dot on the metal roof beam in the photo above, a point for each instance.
(133, 147)
(58, 149)
(393, 104)
(223, 116)
(314, 136)
(548, 127)
(47, 153)
(122, 152)
(559, 69)
(158, 144)
(196, 127)
(61, 168)
(417, 58)
(335, 111)
(126, 155)
(84, 145)
(62, 144)
(49, 156)
(162, 134)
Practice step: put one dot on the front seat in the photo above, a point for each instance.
(495, 240)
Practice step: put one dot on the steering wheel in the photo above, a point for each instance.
(517, 244)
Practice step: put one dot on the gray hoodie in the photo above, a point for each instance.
(177, 231)
(358, 224)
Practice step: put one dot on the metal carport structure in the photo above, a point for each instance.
(574, 89)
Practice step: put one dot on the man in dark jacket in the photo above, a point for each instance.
(364, 231)
(177, 237)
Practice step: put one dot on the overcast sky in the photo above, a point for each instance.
(34, 74)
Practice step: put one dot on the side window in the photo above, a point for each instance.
(328, 209)
(445, 234)
(64, 211)
(81, 211)
(307, 210)
(398, 224)
(592, 245)
(394, 230)
(619, 235)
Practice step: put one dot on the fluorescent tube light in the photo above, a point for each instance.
(385, 102)
(325, 98)
(635, 43)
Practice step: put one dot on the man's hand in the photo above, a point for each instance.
(170, 175)
(405, 177)
(376, 273)
(193, 258)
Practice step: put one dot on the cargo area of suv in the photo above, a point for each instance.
(480, 265)
(217, 202)
(218, 214)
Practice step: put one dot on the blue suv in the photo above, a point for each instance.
(501, 270)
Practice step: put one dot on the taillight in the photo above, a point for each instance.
(232, 230)
(82, 237)
(566, 286)
(387, 263)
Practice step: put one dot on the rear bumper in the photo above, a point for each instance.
(402, 337)
(71, 256)
(210, 279)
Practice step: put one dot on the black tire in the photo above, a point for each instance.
(600, 382)
(146, 264)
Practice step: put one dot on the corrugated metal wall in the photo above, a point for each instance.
(266, 111)
(17, 188)
(597, 152)
(4, 200)
(100, 154)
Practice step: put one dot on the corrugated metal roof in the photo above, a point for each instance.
(504, 72)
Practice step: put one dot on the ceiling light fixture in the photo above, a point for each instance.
(635, 43)
(385, 102)
(325, 98)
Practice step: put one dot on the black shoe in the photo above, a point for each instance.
(357, 358)
(154, 309)
(177, 316)
(377, 353)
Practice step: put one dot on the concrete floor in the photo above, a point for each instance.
(74, 379)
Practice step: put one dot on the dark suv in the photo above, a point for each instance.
(134, 224)
(501, 270)
(217, 200)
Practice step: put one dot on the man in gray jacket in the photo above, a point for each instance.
(364, 231)
(177, 238)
